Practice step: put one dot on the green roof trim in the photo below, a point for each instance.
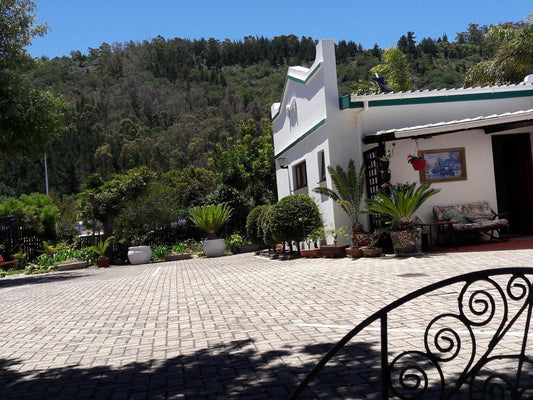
(345, 101)
(306, 134)
(300, 81)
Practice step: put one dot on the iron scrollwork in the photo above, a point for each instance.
(477, 351)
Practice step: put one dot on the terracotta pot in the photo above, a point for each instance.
(102, 262)
(354, 252)
(419, 165)
(311, 253)
(334, 251)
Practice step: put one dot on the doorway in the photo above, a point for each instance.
(513, 170)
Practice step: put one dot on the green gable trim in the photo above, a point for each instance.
(437, 99)
(344, 102)
(306, 134)
(300, 81)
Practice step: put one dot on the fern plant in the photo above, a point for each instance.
(348, 191)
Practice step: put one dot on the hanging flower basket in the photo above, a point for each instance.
(419, 165)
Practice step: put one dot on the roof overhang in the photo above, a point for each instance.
(490, 124)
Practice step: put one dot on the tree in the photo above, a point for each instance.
(292, 219)
(395, 69)
(513, 59)
(30, 119)
(104, 200)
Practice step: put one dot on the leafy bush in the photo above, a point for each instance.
(235, 242)
(35, 211)
(292, 218)
(179, 248)
(44, 261)
(159, 253)
(254, 228)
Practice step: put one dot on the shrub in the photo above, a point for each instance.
(254, 228)
(235, 242)
(293, 218)
(159, 253)
(179, 248)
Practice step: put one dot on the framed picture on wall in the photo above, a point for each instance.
(443, 165)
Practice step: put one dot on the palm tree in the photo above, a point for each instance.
(349, 191)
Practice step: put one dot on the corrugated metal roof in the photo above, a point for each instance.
(479, 122)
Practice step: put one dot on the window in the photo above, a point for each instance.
(300, 176)
(321, 166)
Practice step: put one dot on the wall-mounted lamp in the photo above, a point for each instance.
(282, 162)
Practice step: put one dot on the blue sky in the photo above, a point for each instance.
(80, 24)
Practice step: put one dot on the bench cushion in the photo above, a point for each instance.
(475, 212)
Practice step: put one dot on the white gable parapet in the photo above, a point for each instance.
(304, 103)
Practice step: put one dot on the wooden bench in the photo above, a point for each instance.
(8, 264)
(477, 217)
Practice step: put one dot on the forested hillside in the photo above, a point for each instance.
(167, 103)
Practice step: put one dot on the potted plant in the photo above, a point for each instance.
(335, 250)
(397, 210)
(349, 187)
(418, 163)
(210, 218)
(101, 249)
(312, 239)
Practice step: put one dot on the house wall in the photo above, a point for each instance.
(308, 120)
(479, 184)
(307, 116)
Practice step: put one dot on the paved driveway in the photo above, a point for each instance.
(232, 327)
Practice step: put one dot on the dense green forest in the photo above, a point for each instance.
(167, 103)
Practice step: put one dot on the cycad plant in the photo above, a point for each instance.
(348, 191)
(210, 218)
(398, 207)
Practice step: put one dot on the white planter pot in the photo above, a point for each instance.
(214, 247)
(139, 254)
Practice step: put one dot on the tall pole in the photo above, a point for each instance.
(45, 174)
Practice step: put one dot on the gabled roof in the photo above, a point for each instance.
(490, 124)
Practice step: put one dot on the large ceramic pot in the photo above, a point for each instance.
(139, 254)
(214, 247)
(407, 243)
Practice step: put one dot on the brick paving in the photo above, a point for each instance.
(236, 327)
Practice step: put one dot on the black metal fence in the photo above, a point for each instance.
(16, 238)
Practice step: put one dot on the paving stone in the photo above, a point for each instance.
(216, 328)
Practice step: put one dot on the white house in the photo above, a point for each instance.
(490, 127)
